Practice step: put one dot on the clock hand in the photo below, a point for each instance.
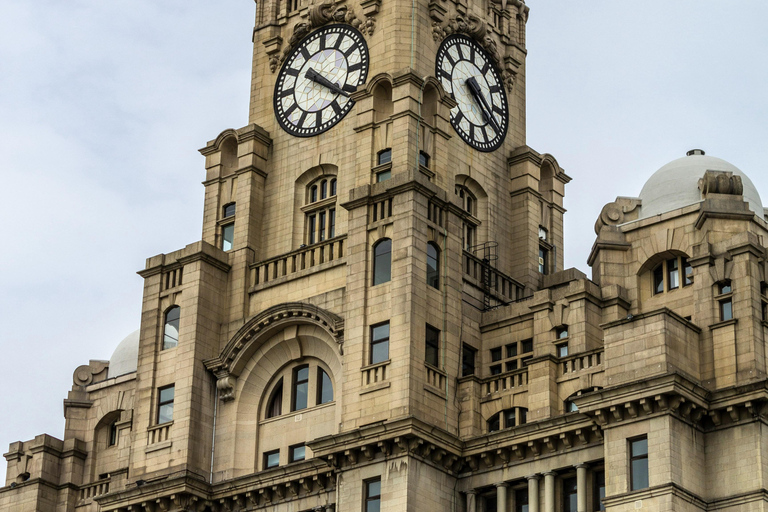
(477, 93)
(320, 79)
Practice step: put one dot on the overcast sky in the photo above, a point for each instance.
(103, 106)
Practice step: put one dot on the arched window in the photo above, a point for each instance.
(112, 441)
(382, 261)
(669, 271)
(570, 406)
(171, 330)
(300, 388)
(433, 265)
(275, 404)
(321, 210)
(468, 204)
(508, 418)
(324, 387)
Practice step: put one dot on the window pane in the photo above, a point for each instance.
(542, 260)
(512, 350)
(325, 387)
(333, 187)
(379, 352)
(423, 159)
(165, 413)
(374, 488)
(562, 351)
(521, 500)
(725, 287)
(527, 346)
(511, 365)
(658, 279)
(313, 194)
(509, 418)
(331, 223)
(639, 474)
(321, 227)
(297, 453)
(166, 394)
(382, 261)
(688, 272)
(522, 416)
(381, 331)
(433, 277)
(726, 310)
(311, 229)
(383, 176)
(301, 387)
(275, 407)
(227, 237)
(496, 354)
(569, 495)
(639, 447)
(493, 423)
(496, 369)
(272, 459)
(229, 210)
(385, 156)
(171, 332)
(324, 189)
(674, 274)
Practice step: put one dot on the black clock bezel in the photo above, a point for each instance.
(360, 42)
(441, 52)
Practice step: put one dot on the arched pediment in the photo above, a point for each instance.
(231, 361)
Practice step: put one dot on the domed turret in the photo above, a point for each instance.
(675, 185)
(125, 358)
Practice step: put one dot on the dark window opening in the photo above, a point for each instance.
(227, 236)
(432, 346)
(297, 452)
(165, 404)
(275, 407)
(384, 157)
(433, 265)
(229, 210)
(467, 360)
(300, 388)
(171, 330)
(382, 261)
(324, 387)
(373, 495)
(638, 463)
(379, 343)
(271, 459)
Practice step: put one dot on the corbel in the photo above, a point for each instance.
(148, 506)
(306, 484)
(519, 451)
(503, 455)
(266, 495)
(631, 409)
(598, 432)
(617, 414)
(225, 505)
(333, 461)
(293, 488)
(163, 504)
(647, 405)
(675, 403)
(239, 501)
(601, 417)
(715, 415)
(450, 461)
(438, 455)
(534, 447)
(428, 448)
(662, 401)
(253, 498)
(278, 492)
(351, 456)
(369, 451)
(402, 443)
(565, 437)
(487, 458)
(385, 447)
(471, 462)
(583, 435)
(697, 413)
(414, 445)
(733, 412)
(320, 481)
(551, 443)
(686, 408)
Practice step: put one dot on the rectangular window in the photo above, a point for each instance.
(229, 210)
(658, 279)
(496, 354)
(521, 500)
(383, 176)
(372, 495)
(562, 350)
(331, 223)
(467, 360)
(311, 229)
(300, 388)
(380, 343)
(496, 369)
(527, 346)
(569, 495)
(726, 309)
(561, 333)
(433, 346)
(321, 227)
(687, 272)
(113, 434)
(423, 159)
(673, 274)
(165, 404)
(543, 263)
(297, 452)
(512, 350)
(509, 418)
(384, 157)
(724, 287)
(227, 236)
(598, 480)
(469, 237)
(638, 463)
(511, 365)
(271, 459)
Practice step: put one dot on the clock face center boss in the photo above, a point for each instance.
(313, 86)
(314, 83)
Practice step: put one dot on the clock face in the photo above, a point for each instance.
(467, 74)
(313, 86)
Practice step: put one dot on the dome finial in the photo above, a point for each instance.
(699, 152)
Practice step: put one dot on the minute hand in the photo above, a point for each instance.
(320, 79)
(474, 88)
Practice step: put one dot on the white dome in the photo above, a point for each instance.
(125, 358)
(676, 184)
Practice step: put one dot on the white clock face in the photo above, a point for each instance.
(313, 86)
(467, 74)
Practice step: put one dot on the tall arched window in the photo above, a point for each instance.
(275, 404)
(433, 265)
(508, 418)
(469, 204)
(171, 330)
(324, 387)
(321, 209)
(382, 261)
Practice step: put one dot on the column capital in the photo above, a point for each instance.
(550, 473)
(581, 465)
(502, 484)
(532, 477)
(471, 491)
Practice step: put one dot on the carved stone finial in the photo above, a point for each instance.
(617, 212)
(721, 182)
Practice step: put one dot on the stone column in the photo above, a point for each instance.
(471, 501)
(533, 493)
(581, 487)
(501, 497)
(549, 491)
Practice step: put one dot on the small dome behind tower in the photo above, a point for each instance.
(125, 358)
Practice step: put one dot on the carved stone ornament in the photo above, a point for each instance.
(721, 182)
(226, 386)
(321, 14)
(617, 212)
(477, 29)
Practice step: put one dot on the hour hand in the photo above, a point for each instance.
(320, 79)
(477, 92)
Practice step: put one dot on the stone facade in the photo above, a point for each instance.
(335, 335)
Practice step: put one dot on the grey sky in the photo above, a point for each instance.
(104, 104)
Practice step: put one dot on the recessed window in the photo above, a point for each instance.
(227, 236)
(379, 343)
(300, 387)
(562, 350)
(372, 495)
(726, 309)
(598, 481)
(423, 159)
(495, 369)
(321, 220)
(433, 262)
(543, 233)
(383, 175)
(638, 463)
(561, 333)
(513, 355)
(496, 354)
(543, 260)
(271, 459)
(669, 271)
(521, 500)
(112, 441)
(297, 452)
(324, 387)
(508, 418)
(382, 261)
(467, 360)
(494, 423)
(275, 403)
(165, 404)
(527, 346)
(432, 346)
(512, 350)
(724, 287)
(171, 329)
(569, 495)
(673, 273)
(469, 204)
(229, 210)
(384, 157)
(570, 406)
(510, 366)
